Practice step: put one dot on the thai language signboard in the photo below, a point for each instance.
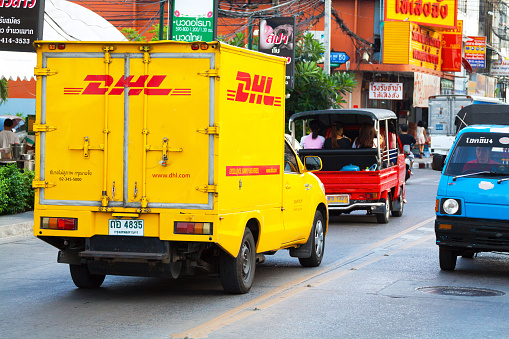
(425, 47)
(277, 38)
(439, 13)
(451, 48)
(475, 51)
(500, 67)
(21, 23)
(193, 20)
(386, 90)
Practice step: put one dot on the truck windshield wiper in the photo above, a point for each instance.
(470, 174)
(500, 180)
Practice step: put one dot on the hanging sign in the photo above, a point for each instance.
(21, 24)
(451, 48)
(386, 90)
(193, 20)
(475, 51)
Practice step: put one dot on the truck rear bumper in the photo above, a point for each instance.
(373, 206)
(477, 234)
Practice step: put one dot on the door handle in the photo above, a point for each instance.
(288, 186)
(308, 186)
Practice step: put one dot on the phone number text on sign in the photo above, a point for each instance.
(386, 90)
(126, 227)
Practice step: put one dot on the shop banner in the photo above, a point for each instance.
(459, 86)
(425, 85)
(480, 85)
(386, 90)
(194, 20)
(21, 23)
(451, 48)
(277, 38)
(475, 51)
(500, 67)
(439, 13)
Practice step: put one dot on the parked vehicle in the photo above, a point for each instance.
(150, 165)
(370, 179)
(443, 126)
(472, 203)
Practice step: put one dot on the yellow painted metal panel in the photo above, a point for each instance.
(396, 44)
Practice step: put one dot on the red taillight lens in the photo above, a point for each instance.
(61, 46)
(193, 228)
(195, 47)
(70, 224)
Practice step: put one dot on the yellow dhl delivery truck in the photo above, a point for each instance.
(165, 158)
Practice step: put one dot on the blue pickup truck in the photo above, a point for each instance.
(472, 205)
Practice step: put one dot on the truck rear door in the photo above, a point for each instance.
(129, 128)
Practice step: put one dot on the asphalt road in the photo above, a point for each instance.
(376, 281)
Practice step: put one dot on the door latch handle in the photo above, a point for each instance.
(287, 186)
(308, 186)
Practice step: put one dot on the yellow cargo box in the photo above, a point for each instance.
(172, 154)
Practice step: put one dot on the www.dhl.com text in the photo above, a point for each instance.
(172, 176)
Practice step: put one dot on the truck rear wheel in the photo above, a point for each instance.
(447, 259)
(82, 278)
(317, 244)
(399, 203)
(383, 218)
(237, 274)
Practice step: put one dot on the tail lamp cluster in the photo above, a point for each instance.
(53, 47)
(202, 46)
(193, 228)
(70, 224)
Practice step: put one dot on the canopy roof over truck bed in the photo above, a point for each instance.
(347, 116)
(478, 114)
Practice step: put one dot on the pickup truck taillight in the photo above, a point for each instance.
(59, 223)
(193, 227)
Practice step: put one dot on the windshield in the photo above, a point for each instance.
(480, 154)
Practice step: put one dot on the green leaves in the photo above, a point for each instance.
(16, 192)
(4, 90)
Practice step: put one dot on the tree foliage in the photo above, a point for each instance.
(16, 192)
(313, 88)
(4, 90)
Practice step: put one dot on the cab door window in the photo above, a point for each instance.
(290, 160)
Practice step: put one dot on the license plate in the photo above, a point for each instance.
(340, 199)
(126, 227)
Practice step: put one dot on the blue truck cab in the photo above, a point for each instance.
(472, 204)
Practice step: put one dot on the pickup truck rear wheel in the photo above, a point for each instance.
(82, 278)
(383, 218)
(318, 243)
(447, 259)
(237, 273)
(400, 203)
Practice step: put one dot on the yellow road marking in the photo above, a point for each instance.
(292, 288)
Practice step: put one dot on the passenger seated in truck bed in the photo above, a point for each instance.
(337, 140)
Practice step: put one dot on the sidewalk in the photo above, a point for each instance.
(16, 224)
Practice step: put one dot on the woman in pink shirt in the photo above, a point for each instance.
(313, 140)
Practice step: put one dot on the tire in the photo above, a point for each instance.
(317, 244)
(383, 218)
(398, 213)
(82, 278)
(447, 259)
(468, 254)
(237, 274)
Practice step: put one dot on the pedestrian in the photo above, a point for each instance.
(7, 138)
(421, 137)
(313, 140)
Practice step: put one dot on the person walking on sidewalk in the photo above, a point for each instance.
(421, 137)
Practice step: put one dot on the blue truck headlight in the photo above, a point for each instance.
(451, 206)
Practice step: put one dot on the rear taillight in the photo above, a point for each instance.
(59, 223)
(193, 227)
(372, 196)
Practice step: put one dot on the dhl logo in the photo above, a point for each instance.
(102, 85)
(256, 89)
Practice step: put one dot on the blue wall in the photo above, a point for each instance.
(13, 106)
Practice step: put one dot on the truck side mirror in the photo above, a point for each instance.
(438, 162)
(312, 163)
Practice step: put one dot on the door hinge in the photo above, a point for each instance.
(43, 128)
(210, 73)
(42, 184)
(207, 189)
(209, 130)
(39, 71)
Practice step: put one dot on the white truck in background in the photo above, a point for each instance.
(441, 125)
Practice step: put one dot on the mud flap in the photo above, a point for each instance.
(303, 251)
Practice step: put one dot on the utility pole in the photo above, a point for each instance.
(327, 24)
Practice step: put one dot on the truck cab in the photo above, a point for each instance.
(472, 203)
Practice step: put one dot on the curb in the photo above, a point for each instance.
(422, 165)
(24, 229)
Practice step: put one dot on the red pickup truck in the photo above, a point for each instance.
(370, 178)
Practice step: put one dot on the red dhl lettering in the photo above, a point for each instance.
(148, 85)
(253, 89)
(251, 170)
